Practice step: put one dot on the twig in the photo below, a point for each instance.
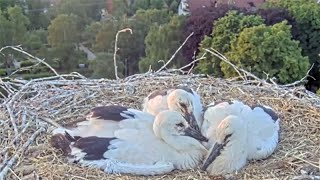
(194, 61)
(20, 151)
(116, 49)
(13, 122)
(223, 58)
(174, 55)
(19, 49)
(300, 81)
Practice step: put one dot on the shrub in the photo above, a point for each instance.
(102, 66)
(307, 15)
(226, 29)
(3, 72)
(27, 63)
(36, 76)
(267, 49)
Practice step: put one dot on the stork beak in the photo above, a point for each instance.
(192, 121)
(214, 153)
(195, 134)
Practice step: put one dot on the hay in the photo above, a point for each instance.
(34, 107)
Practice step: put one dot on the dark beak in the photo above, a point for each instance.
(195, 134)
(214, 153)
(192, 121)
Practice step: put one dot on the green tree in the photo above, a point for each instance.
(161, 42)
(4, 4)
(87, 11)
(63, 35)
(35, 40)
(307, 15)
(63, 30)
(132, 47)
(37, 14)
(90, 33)
(13, 28)
(226, 30)
(19, 23)
(267, 49)
(102, 66)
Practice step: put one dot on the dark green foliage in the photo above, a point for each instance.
(4, 4)
(201, 23)
(267, 49)
(131, 47)
(161, 43)
(3, 72)
(27, 63)
(307, 15)
(37, 13)
(102, 66)
(36, 76)
(275, 15)
(226, 30)
(84, 9)
(63, 30)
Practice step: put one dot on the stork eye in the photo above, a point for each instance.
(180, 125)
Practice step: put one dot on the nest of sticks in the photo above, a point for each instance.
(35, 107)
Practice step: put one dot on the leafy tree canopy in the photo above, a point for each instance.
(63, 30)
(102, 66)
(161, 42)
(226, 30)
(267, 50)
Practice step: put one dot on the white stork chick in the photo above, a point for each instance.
(139, 146)
(262, 122)
(181, 99)
(103, 121)
(229, 153)
(263, 134)
(216, 112)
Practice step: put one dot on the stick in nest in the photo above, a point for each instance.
(20, 151)
(116, 49)
(175, 53)
(19, 49)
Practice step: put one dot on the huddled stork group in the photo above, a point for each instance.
(173, 131)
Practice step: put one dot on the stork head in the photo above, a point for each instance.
(231, 129)
(181, 101)
(172, 124)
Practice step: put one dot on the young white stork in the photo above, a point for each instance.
(229, 152)
(138, 145)
(262, 121)
(103, 121)
(181, 99)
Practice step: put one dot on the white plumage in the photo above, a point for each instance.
(229, 152)
(262, 122)
(184, 100)
(103, 121)
(139, 146)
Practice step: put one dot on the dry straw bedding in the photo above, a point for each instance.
(38, 104)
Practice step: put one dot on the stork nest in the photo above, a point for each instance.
(35, 107)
